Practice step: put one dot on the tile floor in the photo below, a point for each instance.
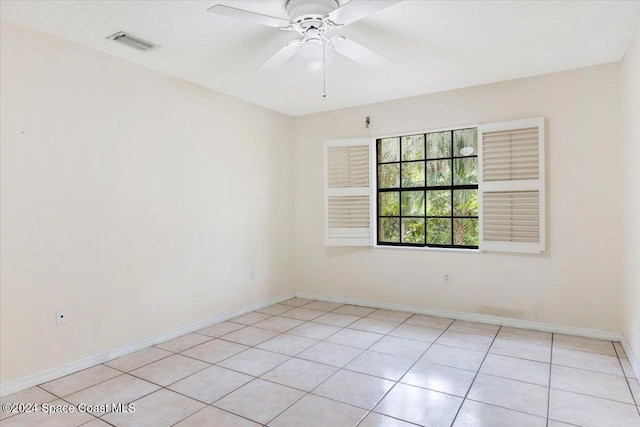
(313, 363)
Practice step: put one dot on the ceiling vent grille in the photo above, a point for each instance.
(132, 41)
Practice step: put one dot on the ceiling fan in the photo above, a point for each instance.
(313, 19)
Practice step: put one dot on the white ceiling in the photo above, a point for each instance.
(434, 45)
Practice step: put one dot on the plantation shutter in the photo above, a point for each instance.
(512, 186)
(348, 202)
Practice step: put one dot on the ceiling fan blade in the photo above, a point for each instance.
(359, 53)
(356, 10)
(245, 15)
(281, 56)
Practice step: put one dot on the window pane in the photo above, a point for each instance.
(412, 230)
(389, 230)
(439, 231)
(413, 203)
(465, 142)
(438, 172)
(389, 203)
(465, 232)
(388, 150)
(389, 175)
(438, 145)
(413, 174)
(413, 147)
(465, 203)
(439, 203)
(465, 171)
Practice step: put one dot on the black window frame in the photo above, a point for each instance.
(400, 189)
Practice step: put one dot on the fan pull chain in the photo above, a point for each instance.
(324, 71)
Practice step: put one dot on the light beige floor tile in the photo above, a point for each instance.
(323, 305)
(290, 345)
(440, 323)
(476, 414)
(354, 338)
(453, 356)
(33, 395)
(96, 423)
(250, 318)
(45, 419)
(627, 368)
(523, 350)
(275, 309)
(402, 347)
(160, 409)
(250, 335)
(374, 325)
(440, 378)
(474, 328)
(589, 361)
(514, 368)
(301, 374)
(354, 310)
(380, 365)
(330, 354)
(377, 420)
(525, 335)
(259, 400)
(138, 359)
(553, 423)
(420, 406)
(301, 313)
(416, 332)
(584, 344)
(169, 370)
(315, 411)
(210, 384)
(214, 417)
(592, 412)
(297, 302)
(279, 324)
(336, 319)
(314, 330)
(464, 340)
(80, 380)
(619, 350)
(184, 342)
(254, 361)
(119, 390)
(220, 329)
(596, 384)
(354, 388)
(510, 394)
(390, 315)
(215, 351)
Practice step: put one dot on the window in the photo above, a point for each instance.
(427, 189)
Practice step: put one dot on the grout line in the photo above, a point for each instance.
(549, 385)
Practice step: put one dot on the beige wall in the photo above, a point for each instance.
(137, 201)
(631, 141)
(575, 283)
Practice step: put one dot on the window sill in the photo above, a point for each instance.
(426, 249)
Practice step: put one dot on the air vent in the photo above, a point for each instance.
(132, 41)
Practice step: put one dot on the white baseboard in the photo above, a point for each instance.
(633, 359)
(473, 317)
(19, 384)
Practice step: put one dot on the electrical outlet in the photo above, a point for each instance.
(61, 317)
(252, 273)
(446, 278)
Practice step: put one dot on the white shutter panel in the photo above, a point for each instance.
(348, 204)
(511, 186)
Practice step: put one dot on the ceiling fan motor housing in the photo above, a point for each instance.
(309, 13)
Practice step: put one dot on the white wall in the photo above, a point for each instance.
(137, 201)
(631, 141)
(575, 283)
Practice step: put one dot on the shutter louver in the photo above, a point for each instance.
(512, 187)
(348, 193)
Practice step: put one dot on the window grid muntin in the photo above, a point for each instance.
(400, 189)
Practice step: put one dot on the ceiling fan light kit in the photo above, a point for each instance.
(312, 19)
